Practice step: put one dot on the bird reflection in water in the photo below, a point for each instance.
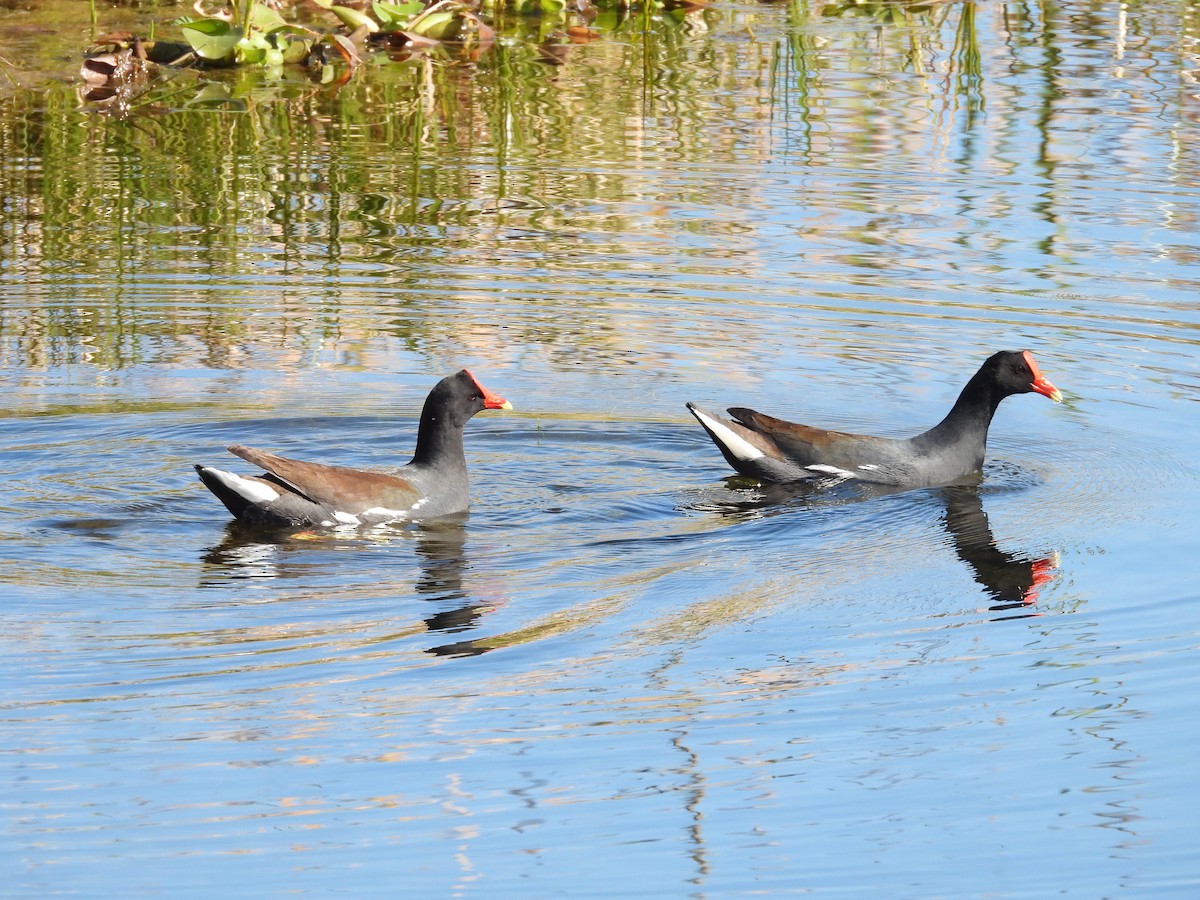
(248, 552)
(1012, 580)
(443, 562)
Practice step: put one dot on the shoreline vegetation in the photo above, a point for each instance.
(329, 41)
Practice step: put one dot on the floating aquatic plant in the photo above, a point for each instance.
(251, 33)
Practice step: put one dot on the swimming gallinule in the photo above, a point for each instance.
(291, 493)
(771, 449)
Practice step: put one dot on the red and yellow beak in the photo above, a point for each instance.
(1041, 383)
(490, 400)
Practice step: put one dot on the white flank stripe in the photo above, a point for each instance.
(729, 439)
(345, 518)
(830, 470)
(383, 512)
(254, 491)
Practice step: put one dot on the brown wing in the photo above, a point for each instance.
(808, 446)
(345, 489)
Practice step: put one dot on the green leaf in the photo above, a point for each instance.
(536, 7)
(609, 19)
(265, 19)
(441, 26)
(211, 94)
(354, 19)
(212, 38)
(295, 50)
(250, 53)
(396, 15)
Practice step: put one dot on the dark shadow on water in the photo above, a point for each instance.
(99, 530)
(440, 547)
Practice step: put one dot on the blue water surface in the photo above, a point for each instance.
(623, 673)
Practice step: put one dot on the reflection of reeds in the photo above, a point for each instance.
(315, 217)
(967, 63)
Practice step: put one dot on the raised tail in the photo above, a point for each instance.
(736, 442)
(237, 493)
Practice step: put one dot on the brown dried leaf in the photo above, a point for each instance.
(123, 70)
(346, 48)
(581, 34)
(97, 70)
(116, 79)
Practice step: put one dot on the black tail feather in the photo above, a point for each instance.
(234, 502)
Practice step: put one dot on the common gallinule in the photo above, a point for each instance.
(771, 449)
(291, 493)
